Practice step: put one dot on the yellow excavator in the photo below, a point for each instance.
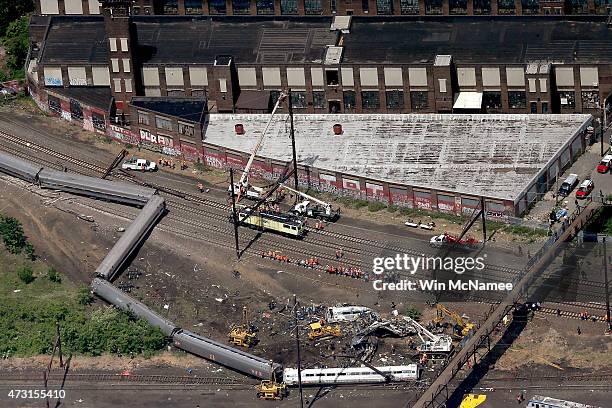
(242, 335)
(319, 331)
(463, 326)
(472, 400)
(271, 390)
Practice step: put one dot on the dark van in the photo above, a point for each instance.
(568, 185)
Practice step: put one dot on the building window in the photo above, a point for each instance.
(457, 6)
(313, 7)
(491, 100)
(517, 99)
(289, 6)
(384, 6)
(578, 7)
(274, 94)
(419, 100)
(170, 6)
(185, 129)
(241, 6)
(567, 99)
(544, 107)
(370, 100)
(433, 6)
(365, 5)
(163, 123)
(98, 121)
(318, 98)
(198, 92)
(505, 6)
(409, 6)
(54, 104)
(265, 7)
(298, 99)
(349, 100)
(482, 7)
(332, 77)
(143, 118)
(333, 6)
(76, 112)
(395, 99)
(176, 92)
(590, 100)
(217, 7)
(530, 6)
(533, 107)
(193, 6)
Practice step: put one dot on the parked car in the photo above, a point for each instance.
(568, 185)
(139, 164)
(585, 188)
(604, 164)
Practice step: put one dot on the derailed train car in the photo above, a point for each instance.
(131, 238)
(118, 298)
(94, 187)
(351, 375)
(185, 340)
(19, 168)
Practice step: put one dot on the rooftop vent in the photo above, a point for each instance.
(341, 23)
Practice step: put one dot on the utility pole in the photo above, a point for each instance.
(59, 345)
(297, 343)
(484, 220)
(605, 265)
(292, 133)
(234, 214)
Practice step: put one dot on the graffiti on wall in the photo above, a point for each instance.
(66, 115)
(122, 134)
(53, 81)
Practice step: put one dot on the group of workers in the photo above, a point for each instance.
(351, 272)
(307, 263)
(171, 164)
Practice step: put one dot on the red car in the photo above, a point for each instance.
(585, 188)
(604, 164)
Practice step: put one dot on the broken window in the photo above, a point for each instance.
(482, 6)
(318, 98)
(433, 6)
(313, 6)
(332, 77)
(491, 100)
(185, 129)
(419, 100)
(530, 6)
(578, 6)
(54, 104)
(170, 6)
(76, 112)
(568, 99)
(384, 6)
(265, 7)
(298, 99)
(98, 121)
(365, 5)
(517, 99)
(143, 118)
(289, 6)
(395, 99)
(217, 7)
(241, 6)
(505, 6)
(349, 100)
(457, 6)
(163, 123)
(193, 6)
(590, 100)
(409, 6)
(370, 100)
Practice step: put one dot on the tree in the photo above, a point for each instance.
(53, 275)
(12, 234)
(11, 10)
(413, 312)
(16, 41)
(25, 274)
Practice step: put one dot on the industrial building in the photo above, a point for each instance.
(335, 7)
(431, 162)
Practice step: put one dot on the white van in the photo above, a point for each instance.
(568, 185)
(345, 313)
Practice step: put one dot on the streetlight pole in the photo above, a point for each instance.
(292, 132)
(605, 265)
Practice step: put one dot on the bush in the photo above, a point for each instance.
(413, 312)
(360, 204)
(199, 166)
(54, 275)
(25, 274)
(29, 250)
(12, 234)
(376, 206)
(16, 42)
(84, 296)
(392, 208)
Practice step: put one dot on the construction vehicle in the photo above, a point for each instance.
(319, 331)
(321, 210)
(431, 343)
(462, 326)
(472, 400)
(271, 389)
(439, 240)
(243, 187)
(242, 335)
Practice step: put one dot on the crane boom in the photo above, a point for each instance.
(306, 196)
(244, 179)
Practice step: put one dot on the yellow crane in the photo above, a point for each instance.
(465, 327)
(242, 335)
(271, 389)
